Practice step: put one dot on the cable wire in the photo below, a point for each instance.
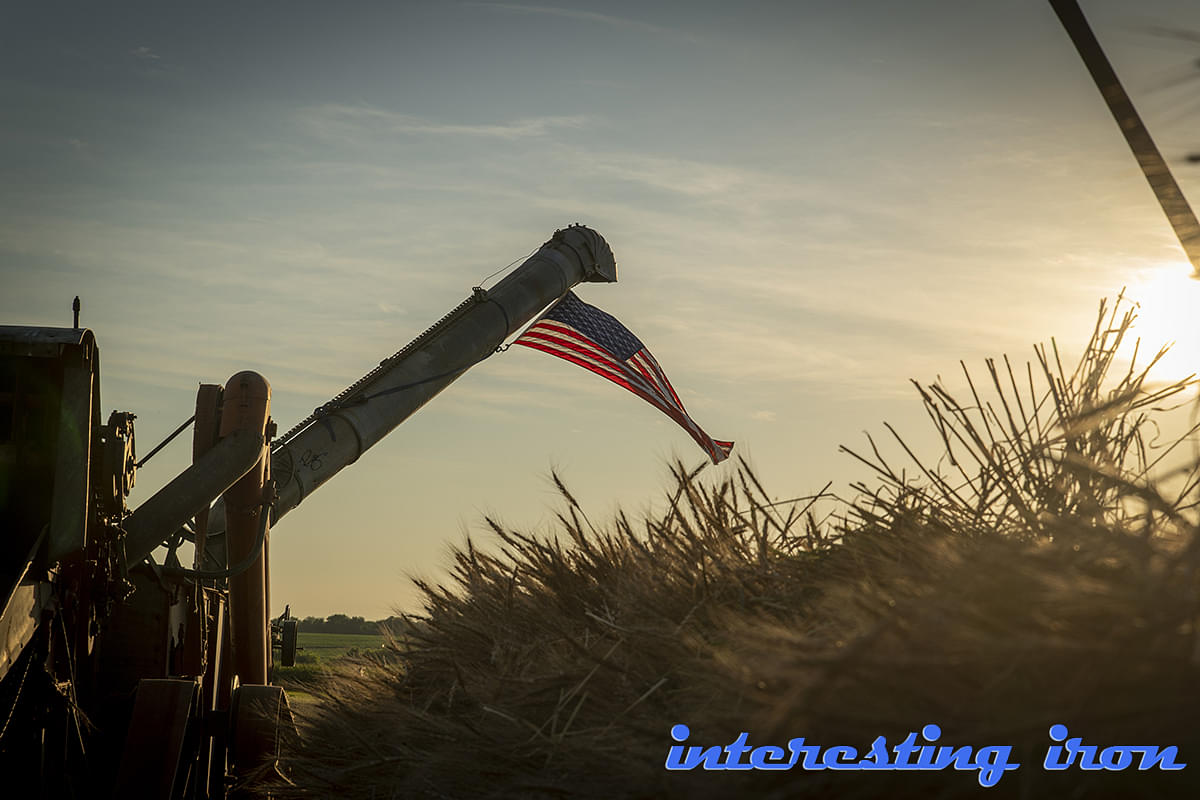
(510, 264)
(236, 569)
(166, 441)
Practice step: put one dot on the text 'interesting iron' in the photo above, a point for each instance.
(991, 761)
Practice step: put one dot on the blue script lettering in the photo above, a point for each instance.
(797, 746)
(734, 752)
(680, 757)
(770, 757)
(925, 754)
(1113, 759)
(991, 762)
(878, 758)
(709, 758)
(832, 754)
(903, 750)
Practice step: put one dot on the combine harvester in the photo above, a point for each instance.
(124, 677)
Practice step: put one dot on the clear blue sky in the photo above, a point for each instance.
(810, 203)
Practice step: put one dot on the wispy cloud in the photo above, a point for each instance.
(144, 53)
(682, 176)
(622, 23)
(79, 148)
(345, 122)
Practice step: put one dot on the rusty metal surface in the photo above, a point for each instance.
(246, 410)
(117, 472)
(30, 340)
(163, 732)
(69, 515)
(22, 615)
(261, 722)
(210, 763)
(168, 627)
(190, 492)
(204, 436)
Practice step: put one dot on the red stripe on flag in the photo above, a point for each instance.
(641, 375)
(623, 379)
(599, 363)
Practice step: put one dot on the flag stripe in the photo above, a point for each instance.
(605, 368)
(661, 375)
(601, 359)
(578, 356)
(572, 330)
(648, 365)
(654, 399)
(601, 362)
(614, 371)
(611, 370)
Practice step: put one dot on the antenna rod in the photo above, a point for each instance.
(1169, 195)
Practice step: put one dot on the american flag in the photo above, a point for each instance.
(594, 340)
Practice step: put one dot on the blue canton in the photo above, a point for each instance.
(601, 328)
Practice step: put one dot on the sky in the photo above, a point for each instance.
(810, 203)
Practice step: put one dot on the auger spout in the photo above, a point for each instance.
(366, 411)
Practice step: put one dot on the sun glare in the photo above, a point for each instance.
(1168, 312)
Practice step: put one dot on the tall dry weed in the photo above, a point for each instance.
(1039, 571)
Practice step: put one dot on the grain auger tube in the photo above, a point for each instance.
(123, 677)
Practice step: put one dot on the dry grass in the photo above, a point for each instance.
(1040, 571)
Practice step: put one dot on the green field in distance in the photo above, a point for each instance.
(335, 645)
(319, 650)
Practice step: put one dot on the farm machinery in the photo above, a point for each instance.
(123, 671)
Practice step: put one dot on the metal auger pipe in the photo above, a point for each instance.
(358, 417)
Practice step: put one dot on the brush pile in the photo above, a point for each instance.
(1044, 569)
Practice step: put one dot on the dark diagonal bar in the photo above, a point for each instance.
(1173, 203)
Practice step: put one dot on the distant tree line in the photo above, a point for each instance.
(341, 623)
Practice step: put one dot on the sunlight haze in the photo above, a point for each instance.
(810, 203)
